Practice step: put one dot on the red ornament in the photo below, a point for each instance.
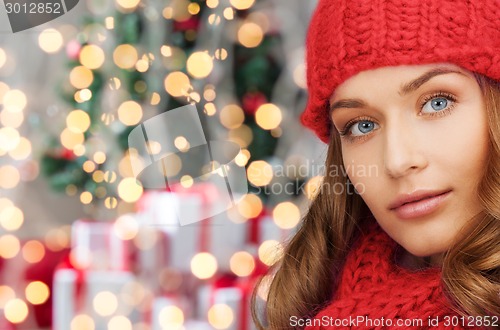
(252, 101)
(67, 154)
(189, 24)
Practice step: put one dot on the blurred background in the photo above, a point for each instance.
(83, 245)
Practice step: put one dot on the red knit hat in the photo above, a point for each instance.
(349, 36)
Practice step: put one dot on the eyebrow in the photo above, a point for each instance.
(404, 89)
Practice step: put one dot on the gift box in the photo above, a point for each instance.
(92, 285)
(225, 303)
(216, 235)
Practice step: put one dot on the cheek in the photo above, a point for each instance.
(364, 170)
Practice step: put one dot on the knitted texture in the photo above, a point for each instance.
(373, 287)
(349, 36)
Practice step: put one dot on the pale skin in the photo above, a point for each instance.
(425, 128)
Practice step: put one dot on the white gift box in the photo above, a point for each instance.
(234, 297)
(94, 245)
(74, 296)
(217, 235)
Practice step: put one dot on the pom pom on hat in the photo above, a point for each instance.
(349, 36)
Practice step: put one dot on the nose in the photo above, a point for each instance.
(403, 150)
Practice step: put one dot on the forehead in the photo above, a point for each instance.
(390, 77)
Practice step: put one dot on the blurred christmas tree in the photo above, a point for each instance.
(224, 56)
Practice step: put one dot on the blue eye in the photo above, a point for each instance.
(362, 127)
(436, 104)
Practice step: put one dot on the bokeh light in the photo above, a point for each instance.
(242, 4)
(14, 100)
(232, 116)
(105, 303)
(171, 317)
(220, 316)
(78, 121)
(50, 40)
(33, 251)
(125, 56)
(177, 84)
(11, 218)
(129, 190)
(199, 64)
(268, 116)
(81, 77)
(204, 265)
(250, 35)
(130, 113)
(250, 206)
(270, 251)
(242, 263)
(286, 215)
(260, 173)
(92, 56)
(37, 292)
(119, 322)
(16, 311)
(82, 322)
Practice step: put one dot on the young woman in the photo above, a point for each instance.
(407, 95)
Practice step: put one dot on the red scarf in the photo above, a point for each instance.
(375, 293)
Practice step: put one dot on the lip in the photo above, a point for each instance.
(418, 203)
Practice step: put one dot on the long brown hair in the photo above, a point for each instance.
(304, 279)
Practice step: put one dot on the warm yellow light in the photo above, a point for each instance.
(92, 56)
(11, 218)
(193, 8)
(110, 202)
(142, 65)
(166, 50)
(105, 303)
(250, 35)
(286, 215)
(6, 294)
(125, 56)
(3, 57)
(89, 166)
(78, 121)
(128, 4)
(11, 119)
(9, 138)
(209, 109)
(37, 292)
(177, 84)
(23, 149)
(130, 113)
(187, 181)
(260, 173)
(155, 99)
(9, 177)
(109, 22)
(200, 64)
(250, 206)
(221, 54)
(9, 246)
(313, 186)
(119, 322)
(16, 311)
(242, 4)
(82, 322)
(182, 143)
(70, 139)
(50, 40)
(204, 265)
(242, 263)
(270, 252)
(57, 239)
(229, 14)
(14, 100)
(268, 116)
(242, 135)
(126, 227)
(220, 316)
(171, 317)
(232, 116)
(99, 157)
(241, 159)
(33, 251)
(81, 77)
(129, 190)
(86, 197)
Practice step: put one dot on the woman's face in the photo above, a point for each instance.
(415, 145)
